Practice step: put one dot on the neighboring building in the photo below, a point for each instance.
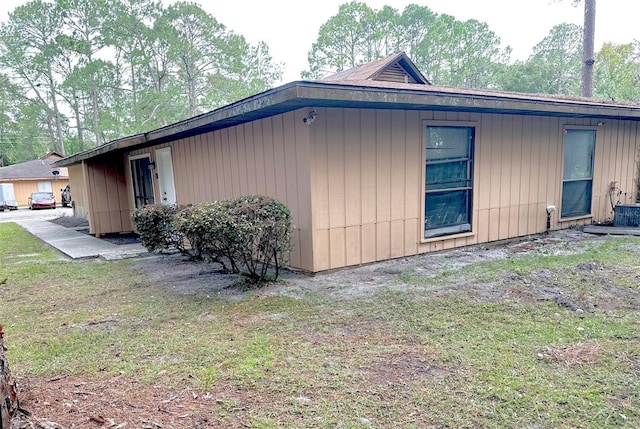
(376, 163)
(35, 176)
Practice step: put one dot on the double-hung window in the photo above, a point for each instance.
(449, 180)
(577, 176)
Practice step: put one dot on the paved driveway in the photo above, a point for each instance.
(26, 214)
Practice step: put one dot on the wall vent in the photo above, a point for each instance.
(627, 215)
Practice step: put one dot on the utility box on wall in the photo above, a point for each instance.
(626, 215)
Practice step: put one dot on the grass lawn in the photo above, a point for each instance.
(397, 359)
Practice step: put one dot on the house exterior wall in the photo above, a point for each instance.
(79, 195)
(269, 156)
(22, 189)
(107, 193)
(367, 176)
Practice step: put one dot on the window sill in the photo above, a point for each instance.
(571, 219)
(447, 237)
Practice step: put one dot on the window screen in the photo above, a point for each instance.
(449, 180)
(577, 177)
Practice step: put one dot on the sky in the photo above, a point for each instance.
(290, 27)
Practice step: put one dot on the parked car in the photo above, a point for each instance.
(42, 200)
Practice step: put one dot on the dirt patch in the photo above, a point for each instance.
(428, 275)
(402, 367)
(187, 277)
(119, 402)
(574, 354)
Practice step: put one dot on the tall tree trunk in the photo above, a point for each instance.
(192, 97)
(59, 141)
(8, 397)
(94, 103)
(76, 112)
(52, 135)
(588, 46)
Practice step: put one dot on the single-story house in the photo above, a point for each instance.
(39, 175)
(376, 163)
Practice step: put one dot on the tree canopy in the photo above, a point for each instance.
(448, 51)
(78, 73)
(468, 54)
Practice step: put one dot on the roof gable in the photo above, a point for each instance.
(52, 155)
(396, 68)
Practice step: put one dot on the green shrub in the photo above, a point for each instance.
(204, 226)
(155, 226)
(246, 235)
(262, 233)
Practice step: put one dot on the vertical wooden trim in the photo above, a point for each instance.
(383, 167)
(336, 167)
(320, 176)
(196, 164)
(256, 160)
(368, 172)
(235, 135)
(243, 136)
(267, 162)
(398, 165)
(303, 172)
(279, 157)
(246, 159)
(516, 173)
(505, 167)
(352, 165)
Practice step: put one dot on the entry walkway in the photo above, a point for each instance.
(77, 245)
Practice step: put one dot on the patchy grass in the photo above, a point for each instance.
(396, 359)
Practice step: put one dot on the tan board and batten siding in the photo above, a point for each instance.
(353, 178)
(367, 179)
(106, 200)
(79, 194)
(270, 156)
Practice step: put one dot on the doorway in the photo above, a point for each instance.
(142, 180)
(165, 176)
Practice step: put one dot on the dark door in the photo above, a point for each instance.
(142, 181)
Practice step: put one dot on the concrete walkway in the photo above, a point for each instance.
(77, 245)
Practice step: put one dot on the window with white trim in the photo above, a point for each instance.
(449, 180)
(577, 175)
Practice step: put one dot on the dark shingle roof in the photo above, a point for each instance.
(37, 169)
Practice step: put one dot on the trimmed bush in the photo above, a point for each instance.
(205, 227)
(155, 226)
(246, 235)
(261, 234)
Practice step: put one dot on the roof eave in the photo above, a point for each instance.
(123, 143)
(301, 94)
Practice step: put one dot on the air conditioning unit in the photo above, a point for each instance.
(626, 215)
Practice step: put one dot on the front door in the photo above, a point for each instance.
(165, 176)
(142, 180)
